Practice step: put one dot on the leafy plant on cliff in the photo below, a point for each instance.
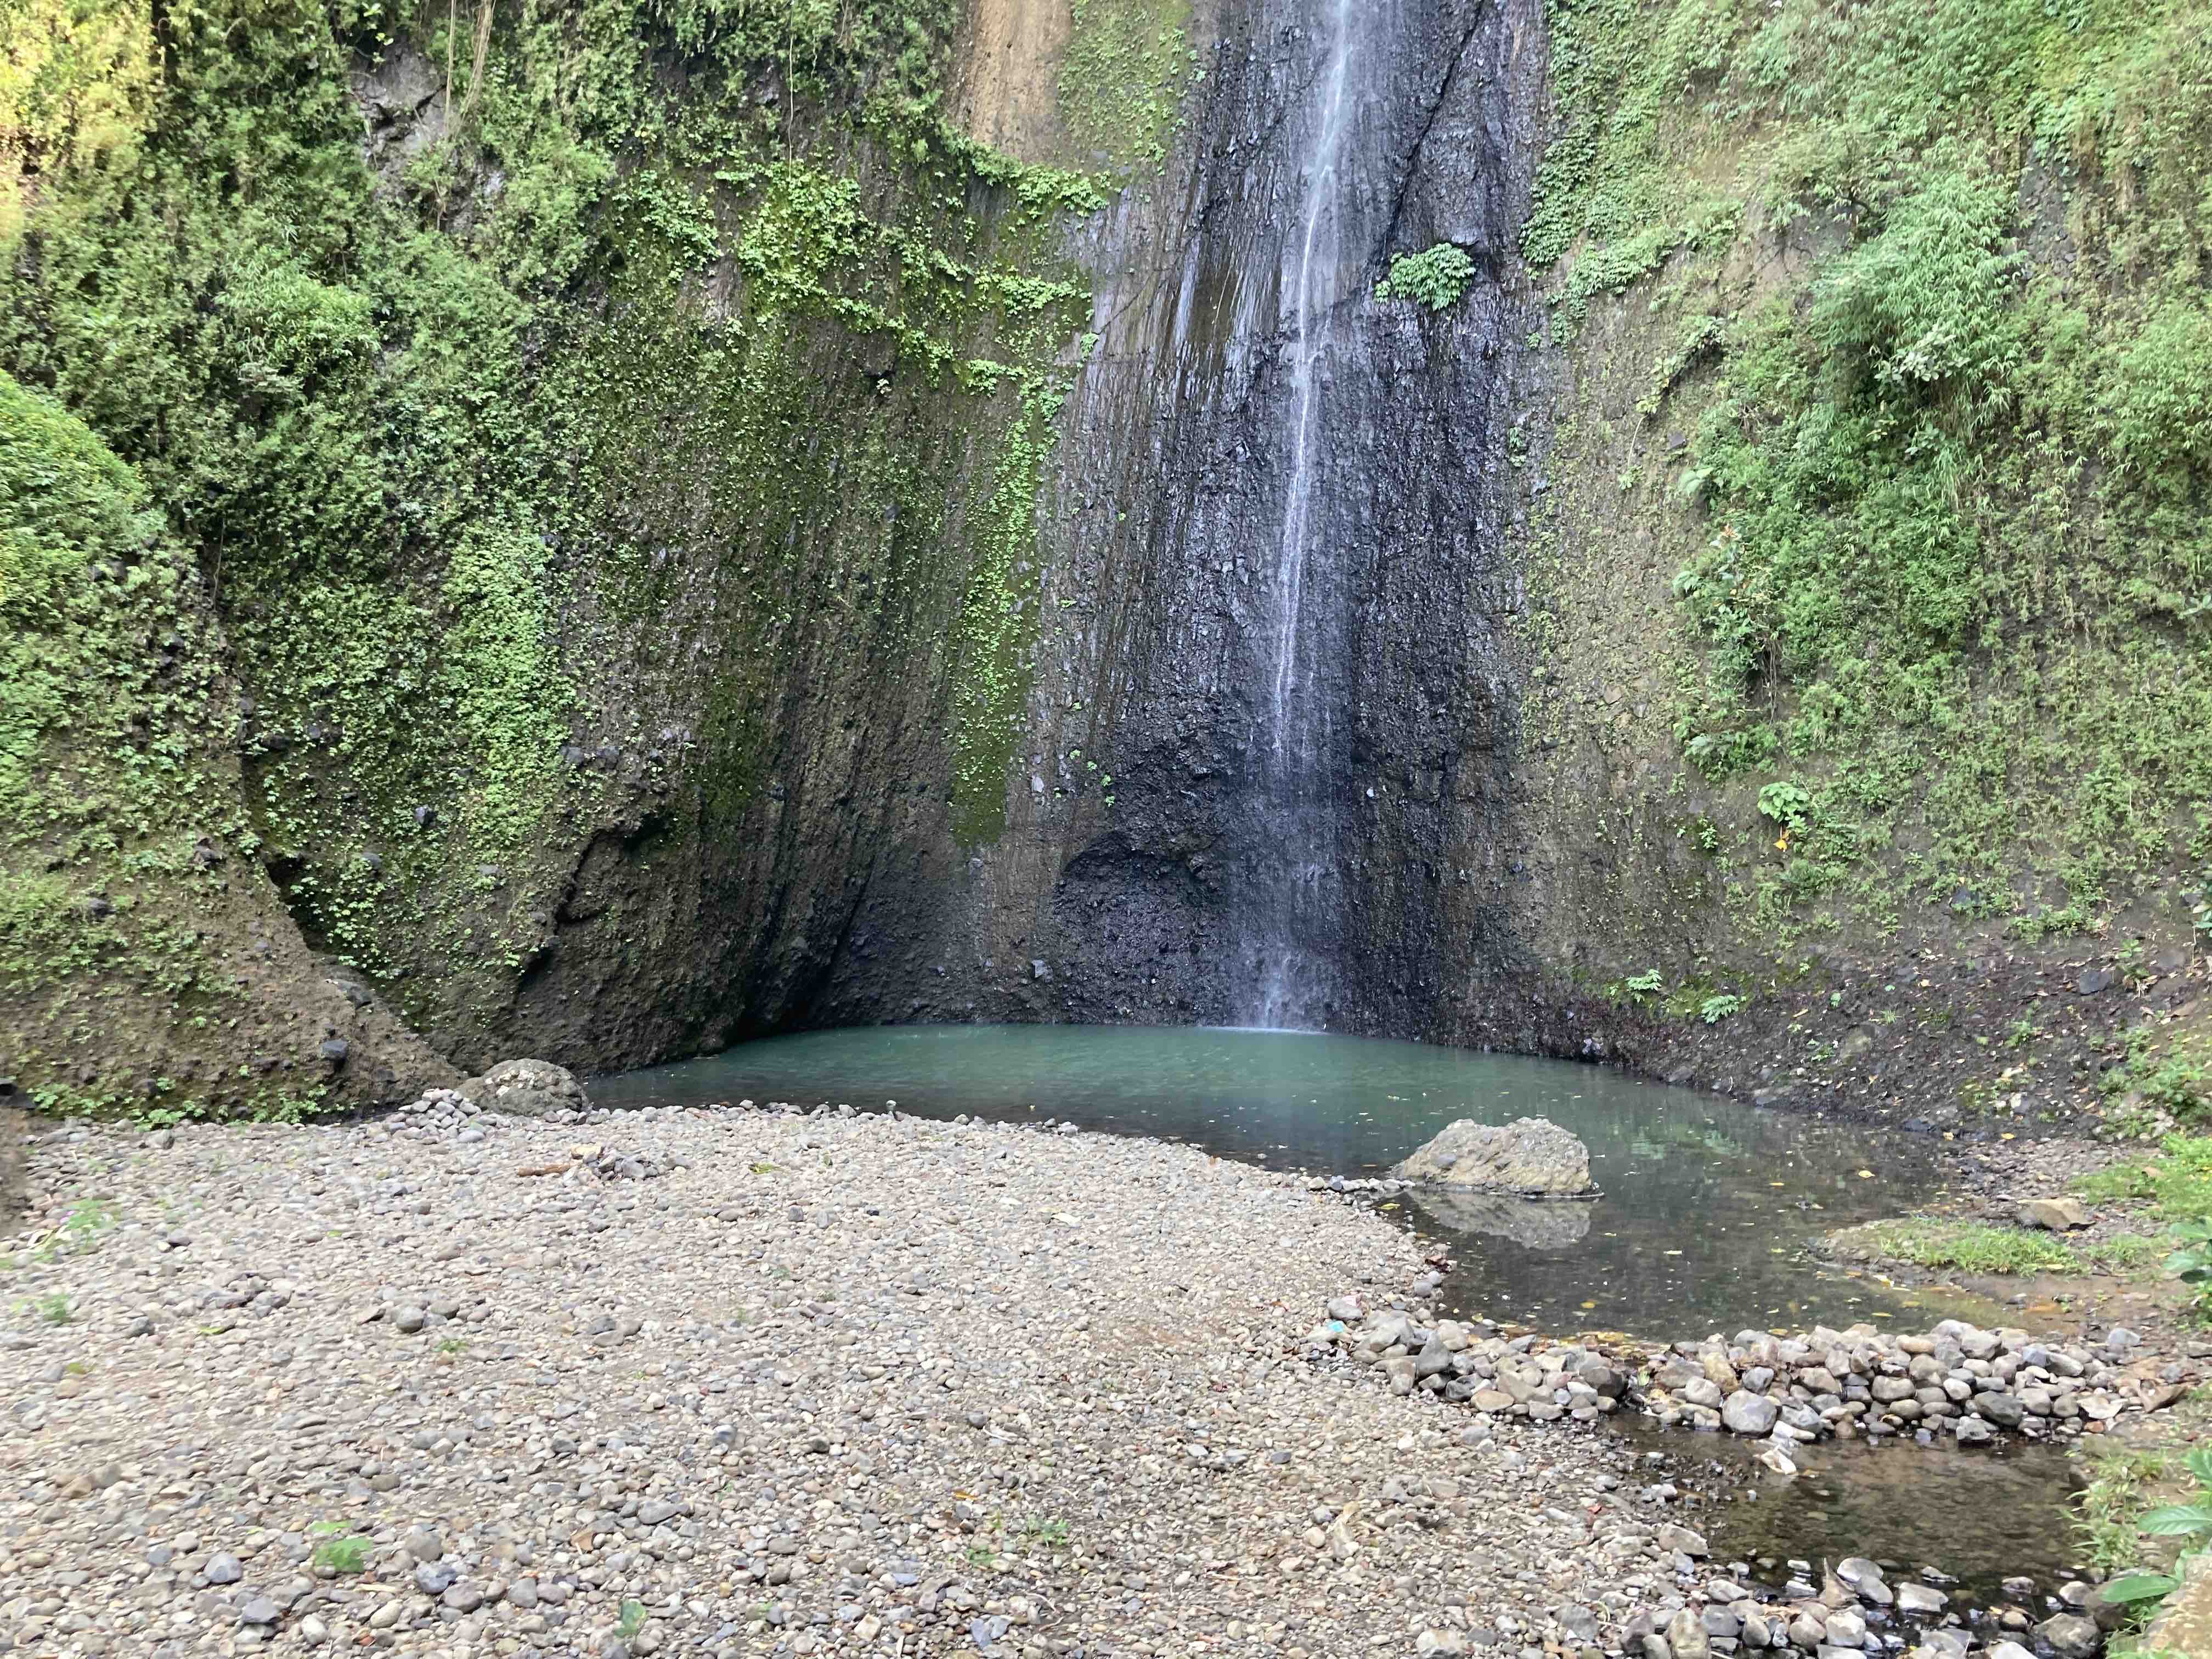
(1437, 277)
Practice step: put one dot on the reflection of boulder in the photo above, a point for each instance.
(1529, 1154)
(1530, 1222)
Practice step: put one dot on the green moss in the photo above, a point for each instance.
(111, 792)
(998, 621)
(1947, 497)
(1127, 65)
(638, 394)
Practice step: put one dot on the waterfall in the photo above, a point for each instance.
(1322, 176)
(1284, 506)
(1290, 942)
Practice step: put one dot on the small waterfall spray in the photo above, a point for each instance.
(1292, 976)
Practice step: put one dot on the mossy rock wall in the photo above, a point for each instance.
(147, 963)
(587, 453)
(1869, 714)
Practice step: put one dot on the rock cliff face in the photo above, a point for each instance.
(1362, 514)
(602, 523)
(1269, 744)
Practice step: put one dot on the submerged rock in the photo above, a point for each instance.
(1529, 1154)
(527, 1088)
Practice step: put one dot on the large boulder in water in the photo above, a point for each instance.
(1531, 1155)
(527, 1088)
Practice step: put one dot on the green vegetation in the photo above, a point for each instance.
(339, 1550)
(2107, 1505)
(2192, 1260)
(998, 621)
(1122, 82)
(2176, 1182)
(1642, 987)
(87, 1219)
(2189, 1521)
(1973, 1247)
(1980, 1247)
(111, 780)
(631, 1621)
(2168, 1069)
(1045, 1532)
(1436, 278)
(1947, 500)
(621, 312)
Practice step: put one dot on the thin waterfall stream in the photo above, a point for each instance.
(1290, 955)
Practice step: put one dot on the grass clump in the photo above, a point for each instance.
(339, 1550)
(2175, 1182)
(1045, 1532)
(1974, 1247)
(2106, 1509)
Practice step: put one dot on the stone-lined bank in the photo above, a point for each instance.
(1956, 1381)
(1837, 1612)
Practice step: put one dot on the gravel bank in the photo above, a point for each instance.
(734, 1382)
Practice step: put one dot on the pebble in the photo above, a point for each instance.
(1036, 1381)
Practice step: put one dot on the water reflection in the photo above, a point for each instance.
(1707, 1204)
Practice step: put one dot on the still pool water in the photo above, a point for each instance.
(1978, 1516)
(1708, 1206)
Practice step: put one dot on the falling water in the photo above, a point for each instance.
(1309, 321)
(1292, 976)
